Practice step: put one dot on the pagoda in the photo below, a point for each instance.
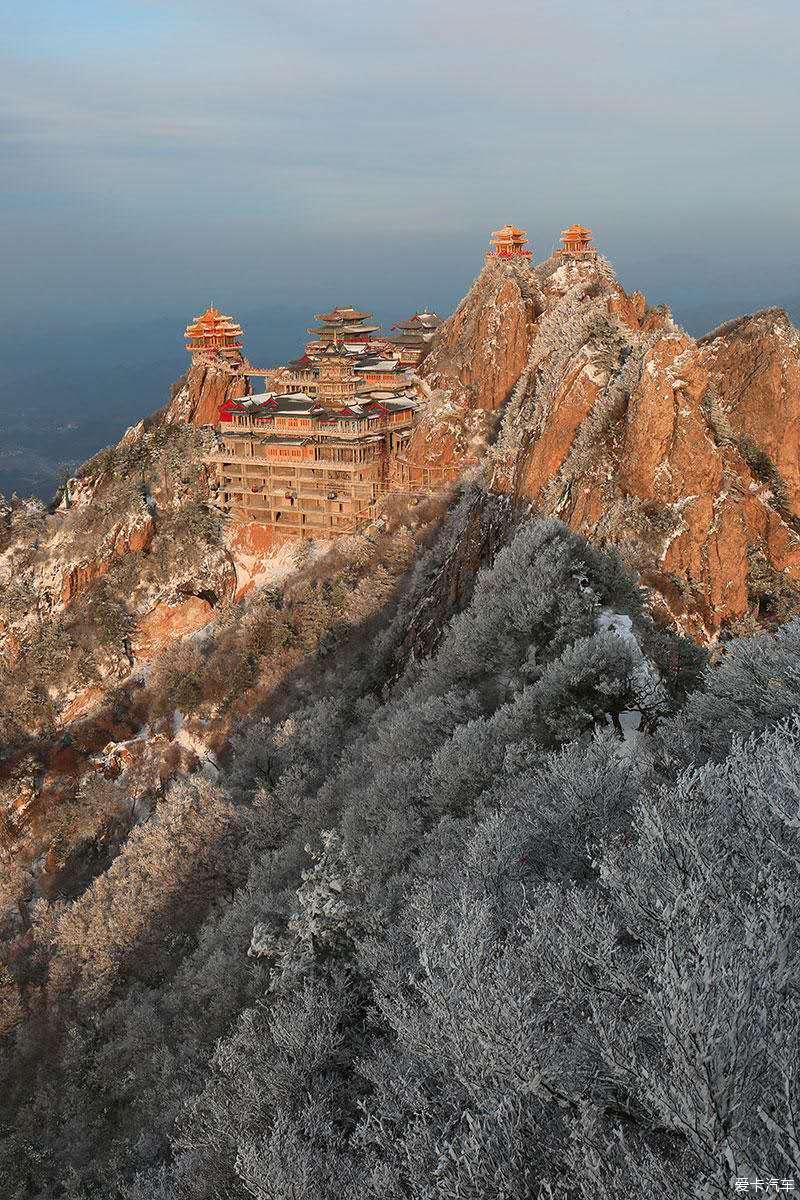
(212, 333)
(342, 325)
(313, 456)
(412, 336)
(420, 324)
(577, 240)
(337, 382)
(509, 242)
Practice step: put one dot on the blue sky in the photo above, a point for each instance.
(158, 155)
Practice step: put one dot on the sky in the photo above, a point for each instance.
(277, 158)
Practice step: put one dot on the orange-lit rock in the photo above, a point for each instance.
(10, 646)
(86, 700)
(754, 363)
(617, 436)
(197, 397)
(167, 622)
(129, 538)
(475, 360)
(258, 556)
(548, 452)
(249, 537)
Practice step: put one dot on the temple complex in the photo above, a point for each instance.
(577, 240)
(413, 336)
(342, 326)
(212, 333)
(306, 469)
(310, 457)
(378, 363)
(509, 242)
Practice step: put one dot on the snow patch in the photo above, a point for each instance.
(648, 687)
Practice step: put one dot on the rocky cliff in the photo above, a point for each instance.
(684, 454)
(91, 593)
(86, 586)
(197, 395)
(474, 362)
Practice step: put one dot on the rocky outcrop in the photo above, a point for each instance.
(85, 701)
(474, 362)
(134, 536)
(636, 435)
(754, 366)
(166, 623)
(480, 353)
(197, 396)
(559, 274)
(257, 556)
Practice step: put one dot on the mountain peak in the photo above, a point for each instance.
(603, 412)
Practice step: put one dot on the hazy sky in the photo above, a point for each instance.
(160, 155)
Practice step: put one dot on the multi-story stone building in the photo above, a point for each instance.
(311, 466)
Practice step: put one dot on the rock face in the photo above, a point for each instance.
(166, 623)
(197, 396)
(684, 455)
(754, 365)
(133, 536)
(474, 362)
(258, 557)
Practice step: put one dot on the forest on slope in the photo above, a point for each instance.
(504, 904)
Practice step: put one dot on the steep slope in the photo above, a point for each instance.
(197, 395)
(433, 933)
(474, 362)
(754, 367)
(618, 432)
(138, 666)
(130, 556)
(684, 454)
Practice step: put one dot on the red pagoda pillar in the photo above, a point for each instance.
(509, 242)
(213, 333)
(576, 240)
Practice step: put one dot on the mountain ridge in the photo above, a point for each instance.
(564, 394)
(412, 864)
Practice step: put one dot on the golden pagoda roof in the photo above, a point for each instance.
(343, 314)
(577, 231)
(213, 323)
(509, 232)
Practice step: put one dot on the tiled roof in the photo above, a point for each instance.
(213, 323)
(422, 322)
(379, 364)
